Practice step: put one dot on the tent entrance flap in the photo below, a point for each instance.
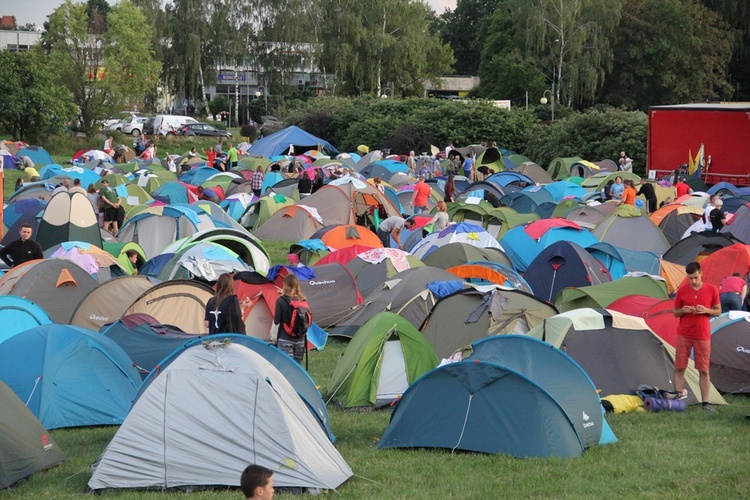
(392, 381)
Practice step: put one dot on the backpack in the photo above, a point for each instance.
(301, 318)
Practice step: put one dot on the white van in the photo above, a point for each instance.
(170, 124)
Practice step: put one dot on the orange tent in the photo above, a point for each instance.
(344, 236)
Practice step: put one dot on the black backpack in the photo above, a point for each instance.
(301, 318)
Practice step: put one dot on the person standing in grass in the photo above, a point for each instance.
(695, 303)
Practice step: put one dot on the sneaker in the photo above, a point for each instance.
(682, 394)
(708, 407)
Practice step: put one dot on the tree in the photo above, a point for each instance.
(102, 69)
(572, 39)
(465, 29)
(737, 15)
(379, 44)
(183, 60)
(33, 106)
(668, 52)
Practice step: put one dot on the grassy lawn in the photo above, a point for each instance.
(691, 454)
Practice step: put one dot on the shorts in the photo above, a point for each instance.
(701, 351)
(110, 214)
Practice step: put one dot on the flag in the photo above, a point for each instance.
(691, 163)
(699, 160)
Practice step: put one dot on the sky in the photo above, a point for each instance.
(36, 11)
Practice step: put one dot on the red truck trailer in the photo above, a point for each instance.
(724, 129)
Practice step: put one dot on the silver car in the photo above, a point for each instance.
(134, 126)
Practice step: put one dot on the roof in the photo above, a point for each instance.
(718, 106)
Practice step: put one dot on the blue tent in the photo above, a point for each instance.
(86, 176)
(482, 407)
(171, 192)
(38, 155)
(279, 143)
(508, 177)
(145, 342)
(522, 248)
(69, 376)
(18, 315)
(197, 176)
(299, 379)
(13, 211)
(620, 261)
(557, 373)
(563, 264)
(564, 189)
(526, 202)
(270, 179)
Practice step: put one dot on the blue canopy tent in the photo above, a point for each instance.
(69, 376)
(38, 155)
(197, 176)
(522, 248)
(280, 142)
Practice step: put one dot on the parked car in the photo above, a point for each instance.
(203, 129)
(115, 123)
(134, 126)
(171, 124)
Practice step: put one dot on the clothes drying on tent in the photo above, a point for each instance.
(255, 416)
(385, 356)
(69, 376)
(25, 445)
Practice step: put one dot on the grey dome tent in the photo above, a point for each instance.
(730, 352)
(56, 285)
(617, 351)
(25, 445)
(212, 411)
(405, 294)
(107, 302)
(472, 314)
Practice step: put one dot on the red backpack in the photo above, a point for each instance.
(301, 318)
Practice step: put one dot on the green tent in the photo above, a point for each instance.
(499, 221)
(483, 207)
(602, 295)
(492, 159)
(117, 250)
(25, 445)
(260, 211)
(597, 181)
(559, 168)
(385, 356)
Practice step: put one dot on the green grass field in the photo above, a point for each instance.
(691, 454)
(695, 454)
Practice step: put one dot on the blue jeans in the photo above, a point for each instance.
(419, 210)
(730, 301)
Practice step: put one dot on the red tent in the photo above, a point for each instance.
(658, 314)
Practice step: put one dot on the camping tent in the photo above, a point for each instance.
(290, 223)
(68, 217)
(602, 295)
(620, 226)
(563, 264)
(454, 254)
(181, 303)
(25, 445)
(730, 352)
(69, 376)
(405, 294)
(472, 314)
(255, 416)
(291, 140)
(17, 315)
(482, 407)
(463, 232)
(384, 357)
(108, 302)
(617, 351)
(56, 285)
(555, 372)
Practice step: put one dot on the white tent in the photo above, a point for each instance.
(211, 412)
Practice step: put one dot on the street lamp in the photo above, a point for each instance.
(265, 96)
(543, 100)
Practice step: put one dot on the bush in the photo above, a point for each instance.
(597, 134)
(249, 130)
